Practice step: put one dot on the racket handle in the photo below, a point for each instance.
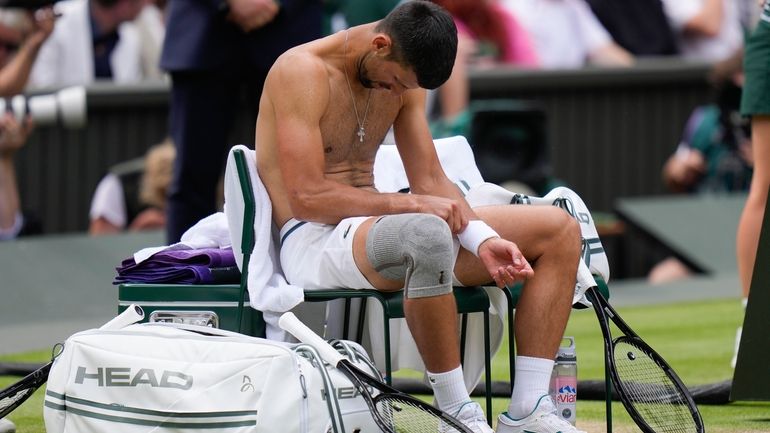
(131, 315)
(291, 324)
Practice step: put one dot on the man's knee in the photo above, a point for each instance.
(565, 232)
(415, 248)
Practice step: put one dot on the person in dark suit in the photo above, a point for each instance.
(218, 53)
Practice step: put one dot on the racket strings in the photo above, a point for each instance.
(406, 416)
(655, 396)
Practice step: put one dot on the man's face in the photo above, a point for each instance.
(376, 72)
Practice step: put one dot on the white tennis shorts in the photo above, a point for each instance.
(320, 256)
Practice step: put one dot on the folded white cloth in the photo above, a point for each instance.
(210, 232)
(454, 154)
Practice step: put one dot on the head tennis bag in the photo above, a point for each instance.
(164, 378)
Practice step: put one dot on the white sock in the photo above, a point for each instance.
(533, 377)
(449, 390)
(744, 302)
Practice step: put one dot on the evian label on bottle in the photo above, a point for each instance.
(566, 397)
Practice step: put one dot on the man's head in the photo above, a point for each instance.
(424, 39)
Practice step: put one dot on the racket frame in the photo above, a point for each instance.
(360, 379)
(605, 312)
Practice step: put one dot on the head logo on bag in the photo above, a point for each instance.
(122, 376)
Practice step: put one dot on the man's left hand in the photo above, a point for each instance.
(504, 262)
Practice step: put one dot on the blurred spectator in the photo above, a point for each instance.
(93, 40)
(21, 36)
(706, 30)
(639, 26)
(133, 195)
(151, 30)
(755, 102)
(488, 34)
(218, 54)
(714, 154)
(13, 135)
(17, 53)
(566, 34)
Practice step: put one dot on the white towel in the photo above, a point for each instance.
(594, 256)
(269, 291)
(454, 154)
(210, 232)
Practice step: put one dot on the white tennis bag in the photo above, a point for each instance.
(166, 378)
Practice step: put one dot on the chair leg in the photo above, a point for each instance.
(488, 367)
(346, 320)
(511, 338)
(608, 392)
(361, 321)
(487, 360)
(463, 327)
(388, 367)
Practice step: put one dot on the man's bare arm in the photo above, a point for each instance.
(418, 153)
(299, 91)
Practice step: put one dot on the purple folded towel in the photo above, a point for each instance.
(200, 266)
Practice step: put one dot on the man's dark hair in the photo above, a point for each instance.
(424, 39)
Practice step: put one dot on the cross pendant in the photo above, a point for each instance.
(361, 133)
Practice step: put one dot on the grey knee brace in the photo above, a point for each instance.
(417, 248)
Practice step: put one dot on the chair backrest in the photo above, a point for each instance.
(247, 232)
(249, 208)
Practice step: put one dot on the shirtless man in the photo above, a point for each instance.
(325, 109)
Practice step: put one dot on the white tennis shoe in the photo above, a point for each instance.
(472, 416)
(542, 419)
(6, 426)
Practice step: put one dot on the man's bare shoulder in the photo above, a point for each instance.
(298, 66)
(298, 86)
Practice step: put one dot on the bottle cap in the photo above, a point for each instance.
(567, 352)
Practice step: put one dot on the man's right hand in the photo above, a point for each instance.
(252, 14)
(449, 210)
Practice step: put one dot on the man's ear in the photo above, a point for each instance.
(382, 44)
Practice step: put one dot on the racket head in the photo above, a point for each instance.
(408, 414)
(16, 394)
(650, 390)
(395, 411)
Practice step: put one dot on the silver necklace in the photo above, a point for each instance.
(361, 132)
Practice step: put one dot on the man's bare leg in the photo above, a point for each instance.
(433, 324)
(549, 238)
(432, 320)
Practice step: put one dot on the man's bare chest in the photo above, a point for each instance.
(351, 136)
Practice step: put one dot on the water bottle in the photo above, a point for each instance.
(564, 381)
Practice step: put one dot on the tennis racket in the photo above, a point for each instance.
(650, 390)
(392, 410)
(16, 394)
